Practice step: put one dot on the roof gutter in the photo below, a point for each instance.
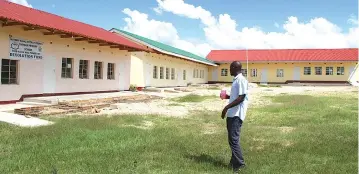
(160, 50)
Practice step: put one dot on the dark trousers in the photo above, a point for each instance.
(234, 131)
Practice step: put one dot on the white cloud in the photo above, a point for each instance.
(353, 20)
(21, 2)
(165, 32)
(276, 25)
(222, 32)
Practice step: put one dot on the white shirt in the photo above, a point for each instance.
(239, 87)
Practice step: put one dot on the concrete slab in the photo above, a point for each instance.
(160, 90)
(23, 121)
(56, 99)
(12, 107)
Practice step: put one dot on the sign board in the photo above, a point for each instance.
(21, 48)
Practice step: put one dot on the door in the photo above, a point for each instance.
(148, 74)
(296, 74)
(49, 77)
(215, 74)
(264, 76)
(121, 76)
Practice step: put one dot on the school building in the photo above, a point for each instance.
(45, 54)
(286, 65)
(167, 66)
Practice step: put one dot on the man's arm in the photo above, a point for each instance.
(236, 102)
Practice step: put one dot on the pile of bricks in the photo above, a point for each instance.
(76, 106)
(30, 111)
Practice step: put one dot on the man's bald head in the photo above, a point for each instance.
(235, 68)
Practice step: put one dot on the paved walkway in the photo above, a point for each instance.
(23, 121)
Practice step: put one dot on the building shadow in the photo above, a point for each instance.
(203, 158)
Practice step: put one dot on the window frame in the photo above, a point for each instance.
(109, 75)
(224, 72)
(254, 74)
(155, 72)
(307, 73)
(244, 72)
(318, 68)
(341, 72)
(100, 77)
(173, 73)
(184, 74)
(167, 73)
(10, 78)
(81, 69)
(280, 73)
(327, 71)
(64, 73)
(162, 76)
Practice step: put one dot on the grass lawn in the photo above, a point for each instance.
(193, 98)
(297, 134)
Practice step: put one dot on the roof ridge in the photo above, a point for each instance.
(192, 55)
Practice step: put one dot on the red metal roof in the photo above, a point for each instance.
(33, 17)
(260, 55)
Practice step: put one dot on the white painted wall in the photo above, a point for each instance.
(142, 70)
(32, 74)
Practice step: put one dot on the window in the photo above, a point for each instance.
(329, 71)
(161, 72)
(155, 76)
(111, 71)
(172, 73)
(167, 73)
(224, 72)
(340, 71)
(253, 72)
(66, 68)
(194, 73)
(307, 70)
(98, 70)
(280, 73)
(9, 71)
(83, 69)
(202, 74)
(244, 72)
(197, 75)
(184, 74)
(318, 70)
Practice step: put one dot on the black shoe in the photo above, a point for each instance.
(236, 170)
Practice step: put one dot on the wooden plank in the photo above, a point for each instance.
(106, 44)
(66, 36)
(95, 41)
(29, 28)
(53, 33)
(7, 24)
(81, 39)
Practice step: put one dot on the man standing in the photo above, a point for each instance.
(236, 113)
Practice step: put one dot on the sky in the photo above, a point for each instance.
(199, 26)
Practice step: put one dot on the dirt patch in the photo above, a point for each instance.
(209, 129)
(287, 143)
(286, 129)
(144, 125)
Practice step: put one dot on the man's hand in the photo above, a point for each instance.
(224, 112)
